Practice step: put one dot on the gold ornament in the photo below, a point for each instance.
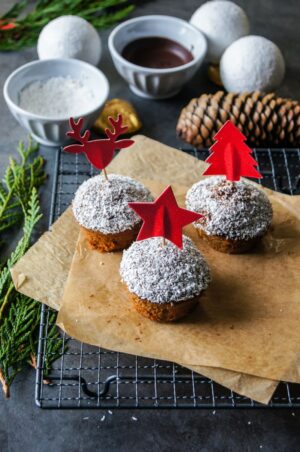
(214, 74)
(112, 108)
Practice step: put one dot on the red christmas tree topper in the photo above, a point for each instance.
(98, 152)
(230, 156)
(163, 218)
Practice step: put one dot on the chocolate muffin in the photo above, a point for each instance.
(236, 214)
(164, 282)
(101, 208)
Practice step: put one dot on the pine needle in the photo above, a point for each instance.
(25, 30)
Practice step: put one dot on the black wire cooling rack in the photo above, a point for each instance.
(89, 377)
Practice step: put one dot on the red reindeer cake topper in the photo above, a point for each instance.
(163, 218)
(98, 152)
(230, 155)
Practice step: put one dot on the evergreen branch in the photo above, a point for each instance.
(20, 315)
(100, 13)
(17, 184)
(31, 217)
(15, 10)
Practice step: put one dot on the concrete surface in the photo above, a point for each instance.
(24, 427)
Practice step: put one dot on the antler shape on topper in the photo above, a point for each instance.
(163, 218)
(230, 156)
(98, 152)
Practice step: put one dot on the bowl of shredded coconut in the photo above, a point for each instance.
(44, 94)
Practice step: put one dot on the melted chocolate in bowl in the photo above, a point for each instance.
(156, 53)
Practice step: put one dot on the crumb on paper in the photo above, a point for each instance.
(134, 418)
(20, 280)
(103, 418)
(101, 263)
(60, 260)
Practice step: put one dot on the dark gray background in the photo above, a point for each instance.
(25, 427)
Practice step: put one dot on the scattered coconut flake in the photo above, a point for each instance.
(134, 418)
(103, 418)
(232, 210)
(101, 205)
(162, 274)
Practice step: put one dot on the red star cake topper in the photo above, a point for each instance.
(230, 155)
(163, 218)
(98, 152)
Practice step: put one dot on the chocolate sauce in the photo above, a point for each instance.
(157, 53)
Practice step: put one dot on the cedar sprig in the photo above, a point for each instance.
(19, 340)
(17, 184)
(100, 13)
(31, 217)
(20, 315)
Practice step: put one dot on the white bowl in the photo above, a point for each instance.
(52, 131)
(149, 82)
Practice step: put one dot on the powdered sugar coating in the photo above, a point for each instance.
(101, 205)
(163, 274)
(236, 210)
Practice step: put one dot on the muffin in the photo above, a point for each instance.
(164, 281)
(101, 208)
(236, 215)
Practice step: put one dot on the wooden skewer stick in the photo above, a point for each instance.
(163, 241)
(105, 174)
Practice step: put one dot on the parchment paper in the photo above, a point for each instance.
(46, 283)
(247, 320)
(146, 159)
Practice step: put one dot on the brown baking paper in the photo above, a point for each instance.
(248, 309)
(151, 159)
(46, 284)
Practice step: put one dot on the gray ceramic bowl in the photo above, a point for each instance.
(157, 83)
(52, 131)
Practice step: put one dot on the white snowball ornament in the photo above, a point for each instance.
(222, 22)
(70, 37)
(252, 63)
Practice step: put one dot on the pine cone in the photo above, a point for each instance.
(265, 119)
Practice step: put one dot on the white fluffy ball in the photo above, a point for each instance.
(252, 63)
(222, 22)
(70, 37)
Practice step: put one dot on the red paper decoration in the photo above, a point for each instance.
(231, 156)
(163, 218)
(98, 152)
(7, 26)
